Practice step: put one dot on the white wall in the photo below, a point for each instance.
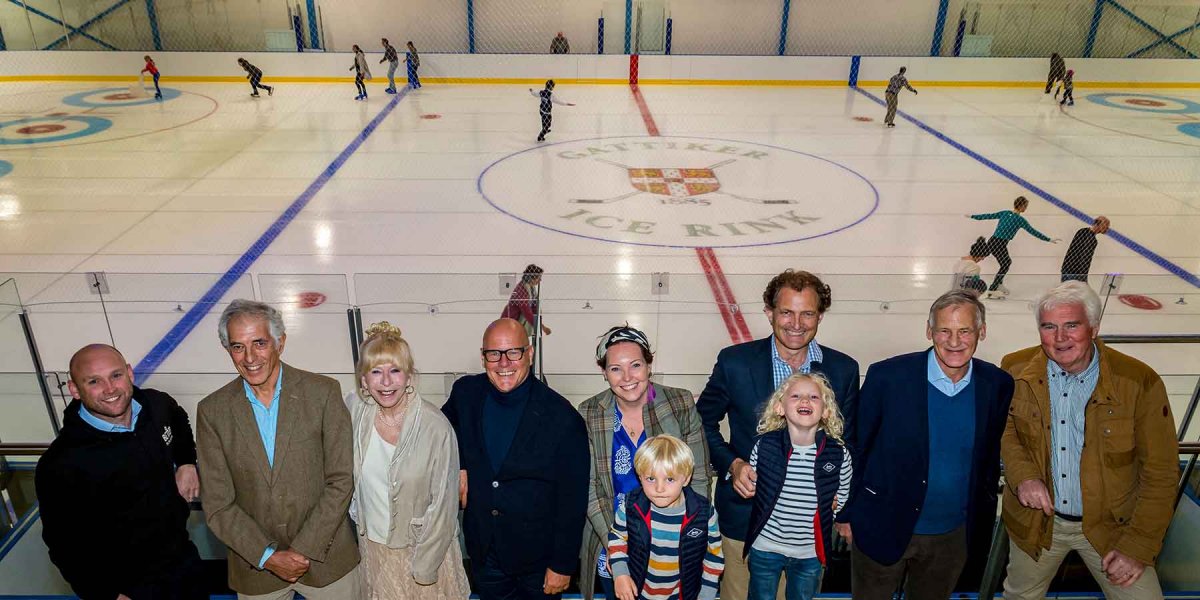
(864, 27)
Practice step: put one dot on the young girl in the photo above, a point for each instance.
(966, 271)
(360, 72)
(803, 471)
(153, 71)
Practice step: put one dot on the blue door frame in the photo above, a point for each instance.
(71, 29)
(1162, 37)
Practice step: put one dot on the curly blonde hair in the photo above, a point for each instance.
(384, 345)
(831, 417)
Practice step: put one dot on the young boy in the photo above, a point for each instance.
(546, 102)
(1010, 222)
(671, 547)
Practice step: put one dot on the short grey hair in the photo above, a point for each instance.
(1065, 294)
(959, 297)
(251, 308)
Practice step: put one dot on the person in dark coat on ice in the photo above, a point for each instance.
(1078, 261)
(254, 74)
(547, 99)
(1058, 70)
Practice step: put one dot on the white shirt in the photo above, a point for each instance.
(376, 488)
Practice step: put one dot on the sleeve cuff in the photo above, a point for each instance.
(266, 556)
(708, 593)
(619, 568)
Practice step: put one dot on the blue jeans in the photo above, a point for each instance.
(803, 576)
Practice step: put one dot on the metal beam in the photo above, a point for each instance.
(1152, 29)
(1149, 47)
(471, 26)
(152, 14)
(83, 27)
(935, 49)
(628, 23)
(1090, 45)
(783, 27)
(71, 28)
(314, 38)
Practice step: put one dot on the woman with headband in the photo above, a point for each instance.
(405, 478)
(619, 420)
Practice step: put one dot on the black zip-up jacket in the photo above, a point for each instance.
(692, 548)
(111, 513)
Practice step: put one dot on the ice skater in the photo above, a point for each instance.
(361, 71)
(1068, 83)
(547, 99)
(1058, 70)
(894, 84)
(393, 61)
(254, 74)
(1078, 261)
(153, 71)
(966, 270)
(1010, 222)
(414, 62)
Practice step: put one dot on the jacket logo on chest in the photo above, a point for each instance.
(695, 532)
(828, 468)
(167, 435)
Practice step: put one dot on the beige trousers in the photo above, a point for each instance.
(1028, 579)
(349, 587)
(735, 581)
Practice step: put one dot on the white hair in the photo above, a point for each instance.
(1068, 293)
(250, 308)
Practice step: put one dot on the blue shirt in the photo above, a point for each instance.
(781, 370)
(940, 380)
(107, 427)
(1069, 395)
(267, 419)
(951, 448)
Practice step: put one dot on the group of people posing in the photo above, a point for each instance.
(359, 496)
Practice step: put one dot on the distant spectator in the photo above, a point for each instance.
(1058, 70)
(560, 45)
(1078, 261)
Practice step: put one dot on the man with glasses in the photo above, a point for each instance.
(523, 455)
(927, 460)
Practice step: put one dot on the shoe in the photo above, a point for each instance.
(891, 124)
(158, 96)
(358, 97)
(1071, 103)
(271, 91)
(1003, 289)
(541, 139)
(254, 95)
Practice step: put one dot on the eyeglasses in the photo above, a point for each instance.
(512, 354)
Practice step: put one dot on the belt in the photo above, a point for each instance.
(1066, 517)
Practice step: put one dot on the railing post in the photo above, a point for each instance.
(1090, 44)
(783, 27)
(38, 368)
(935, 49)
(600, 35)
(354, 322)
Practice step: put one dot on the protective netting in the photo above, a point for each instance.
(1010, 28)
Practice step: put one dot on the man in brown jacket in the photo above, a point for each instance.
(1105, 490)
(275, 454)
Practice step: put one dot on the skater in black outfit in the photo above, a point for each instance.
(1068, 89)
(1078, 261)
(254, 74)
(547, 99)
(361, 71)
(1058, 69)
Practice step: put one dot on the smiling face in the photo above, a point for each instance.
(506, 374)
(386, 383)
(802, 406)
(955, 338)
(627, 372)
(254, 352)
(662, 488)
(795, 317)
(1067, 336)
(103, 382)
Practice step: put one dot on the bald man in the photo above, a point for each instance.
(524, 455)
(114, 487)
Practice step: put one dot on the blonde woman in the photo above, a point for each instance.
(405, 479)
(803, 478)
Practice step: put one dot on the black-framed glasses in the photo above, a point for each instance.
(512, 354)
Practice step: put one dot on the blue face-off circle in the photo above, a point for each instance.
(1188, 105)
(87, 100)
(92, 125)
(5, 168)
(1192, 129)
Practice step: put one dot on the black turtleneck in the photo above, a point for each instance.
(502, 412)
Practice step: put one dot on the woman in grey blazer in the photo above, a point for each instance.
(405, 479)
(619, 420)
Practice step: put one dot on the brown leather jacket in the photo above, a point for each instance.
(1130, 464)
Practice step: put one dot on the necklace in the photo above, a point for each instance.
(392, 422)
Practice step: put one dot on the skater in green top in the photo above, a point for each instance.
(1010, 222)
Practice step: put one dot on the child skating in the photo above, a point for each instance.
(803, 475)
(254, 74)
(414, 62)
(1010, 222)
(1068, 83)
(966, 270)
(361, 71)
(547, 99)
(152, 69)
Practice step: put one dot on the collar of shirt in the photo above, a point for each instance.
(107, 427)
(814, 355)
(940, 380)
(274, 399)
(1089, 374)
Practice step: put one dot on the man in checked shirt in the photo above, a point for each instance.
(894, 84)
(390, 57)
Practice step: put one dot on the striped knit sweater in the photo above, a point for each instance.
(663, 579)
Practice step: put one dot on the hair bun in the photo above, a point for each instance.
(382, 328)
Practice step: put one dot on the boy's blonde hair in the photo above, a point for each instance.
(664, 452)
(831, 417)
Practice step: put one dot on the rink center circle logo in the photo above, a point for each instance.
(678, 191)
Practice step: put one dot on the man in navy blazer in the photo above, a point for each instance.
(927, 463)
(741, 382)
(523, 451)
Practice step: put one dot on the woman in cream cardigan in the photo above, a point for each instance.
(619, 420)
(405, 479)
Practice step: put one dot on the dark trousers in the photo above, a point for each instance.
(493, 583)
(413, 81)
(358, 83)
(256, 84)
(610, 588)
(999, 248)
(891, 108)
(546, 120)
(932, 563)
(1068, 96)
(157, 90)
(183, 582)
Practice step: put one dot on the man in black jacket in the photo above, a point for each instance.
(114, 487)
(524, 456)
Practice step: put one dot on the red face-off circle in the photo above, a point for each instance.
(40, 129)
(1144, 102)
(310, 299)
(431, 116)
(1140, 301)
(120, 96)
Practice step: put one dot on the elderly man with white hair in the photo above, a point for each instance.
(1090, 455)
